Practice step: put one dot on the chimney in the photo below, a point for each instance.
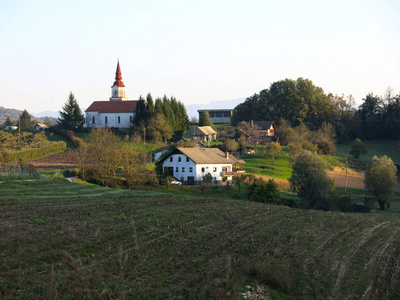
(226, 155)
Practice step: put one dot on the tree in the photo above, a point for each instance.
(262, 191)
(230, 145)
(25, 121)
(310, 180)
(205, 181)
(273, 149)
(159, 129)
(8, 122)
(71, 117)
(380, 178)
(204, 119)
(297, 101)
(358, 148)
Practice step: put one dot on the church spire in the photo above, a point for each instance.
(118, 88)
(118, 77)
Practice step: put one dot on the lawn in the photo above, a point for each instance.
(71, 241)
(375, 147)
(259, 164)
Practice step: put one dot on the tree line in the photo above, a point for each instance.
(164, 118)
(300, 102)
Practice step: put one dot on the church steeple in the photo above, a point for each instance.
(118, 88)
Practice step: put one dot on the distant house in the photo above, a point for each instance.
(217, 115)
(117, 112)
(190, 164)
(265, 128)
(204, 134)
(40, 126)
(11, 127)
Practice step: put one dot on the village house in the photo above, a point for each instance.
(189, 164)
(204, 134)
(39, 126)
(118, 112)
(265, 128)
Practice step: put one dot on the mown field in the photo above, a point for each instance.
(74, 241)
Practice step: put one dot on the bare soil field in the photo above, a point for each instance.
(63, 160)
(71, 241)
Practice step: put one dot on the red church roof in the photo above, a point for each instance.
(128, 106)
(118, 77)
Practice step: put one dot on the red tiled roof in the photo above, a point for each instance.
(127, 106)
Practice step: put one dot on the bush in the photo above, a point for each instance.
(267, 192)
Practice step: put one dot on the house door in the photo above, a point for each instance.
(169, 171)
(190, 180)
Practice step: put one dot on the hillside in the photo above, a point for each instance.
(74, 241)
(15, 113)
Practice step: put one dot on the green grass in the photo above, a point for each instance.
(262, 165)
(375, 147)
(73, 241)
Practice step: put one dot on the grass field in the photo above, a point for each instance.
(73, 241)
(375, 147)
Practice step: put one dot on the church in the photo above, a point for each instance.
(117, 112)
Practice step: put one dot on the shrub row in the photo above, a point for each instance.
(28, 154)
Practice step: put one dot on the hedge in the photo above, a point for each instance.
(7, 156)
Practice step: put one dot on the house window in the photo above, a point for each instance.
(203, 169)
(215, 169)
(187, 159)
(176, 169)
(106, 120)
(179, 158)
(190, 169)
(171, 158)
(119, 119)
(183, 169)
(224, 169)
(93, 120)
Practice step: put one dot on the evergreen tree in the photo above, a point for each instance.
(358, 148)
(204, 119)
(140, 115)
(71, 116)
(25, 121)
(150, 106)
(8, 122)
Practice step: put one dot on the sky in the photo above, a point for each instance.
(196, 51)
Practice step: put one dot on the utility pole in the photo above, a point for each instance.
(144, 145)
(345, 184)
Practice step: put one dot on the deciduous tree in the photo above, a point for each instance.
(380, 178)
(272, 150)
(310, 180)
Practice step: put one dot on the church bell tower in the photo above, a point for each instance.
(118, 88)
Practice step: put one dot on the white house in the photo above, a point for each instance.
(117, 112)
(190, 164)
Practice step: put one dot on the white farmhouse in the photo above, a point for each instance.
(190, 164)
(118, 112)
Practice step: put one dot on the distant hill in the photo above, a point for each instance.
(227, 104)
(15, 113)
